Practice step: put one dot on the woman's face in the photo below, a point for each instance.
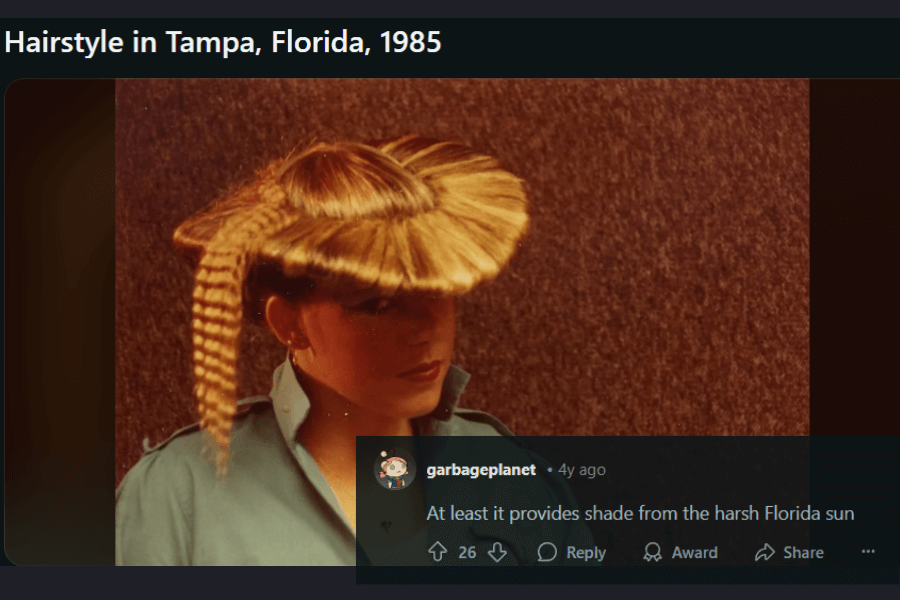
(387, 355)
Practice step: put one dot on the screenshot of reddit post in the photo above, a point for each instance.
(418, 302)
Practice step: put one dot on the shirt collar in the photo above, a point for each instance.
(292, 404)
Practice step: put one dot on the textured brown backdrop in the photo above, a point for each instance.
(663, 289)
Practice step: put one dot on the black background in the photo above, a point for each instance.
(490, 48)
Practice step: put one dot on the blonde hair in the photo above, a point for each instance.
(405, 215)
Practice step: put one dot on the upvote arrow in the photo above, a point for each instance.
(437, 551)
(498, 552)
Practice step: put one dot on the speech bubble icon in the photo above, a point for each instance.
(546, 552)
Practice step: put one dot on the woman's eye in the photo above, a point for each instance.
(376, 305)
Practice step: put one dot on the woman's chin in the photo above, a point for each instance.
(417, 405)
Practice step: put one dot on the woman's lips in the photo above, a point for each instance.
(424, 372)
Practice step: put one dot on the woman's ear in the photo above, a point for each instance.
(284, 321)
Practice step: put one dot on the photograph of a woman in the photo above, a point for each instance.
(351, 254)
(302, 262)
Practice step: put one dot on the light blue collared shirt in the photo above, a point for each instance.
(276, 508)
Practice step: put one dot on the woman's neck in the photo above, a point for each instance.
(332, 424)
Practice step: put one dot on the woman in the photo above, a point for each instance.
(351, 254)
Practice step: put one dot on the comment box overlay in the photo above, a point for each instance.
(628, 509)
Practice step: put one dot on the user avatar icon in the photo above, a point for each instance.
(652, 552)
(395, 470)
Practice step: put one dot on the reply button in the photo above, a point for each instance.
(586, 554)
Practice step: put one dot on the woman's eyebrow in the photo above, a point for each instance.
(352, 297)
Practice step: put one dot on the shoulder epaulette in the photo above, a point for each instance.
(244, 406)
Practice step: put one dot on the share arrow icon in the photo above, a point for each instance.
(766, 552)
(498, 552)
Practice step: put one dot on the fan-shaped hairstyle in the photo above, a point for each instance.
(406, 215)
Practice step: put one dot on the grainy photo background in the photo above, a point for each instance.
(663, 288)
